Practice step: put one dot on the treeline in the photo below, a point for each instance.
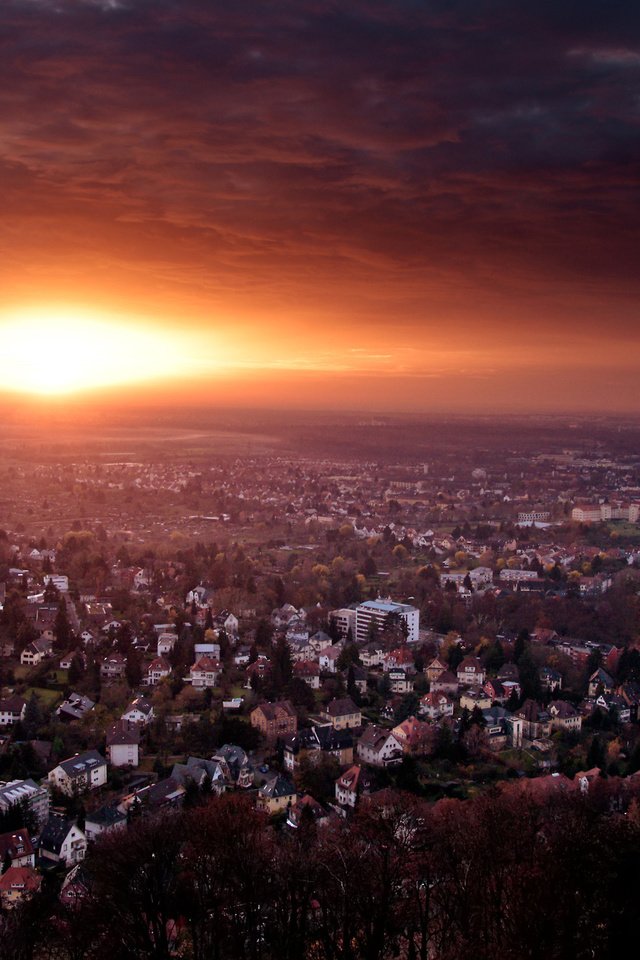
(502, 875)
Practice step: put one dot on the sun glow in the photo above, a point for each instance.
(64, 351)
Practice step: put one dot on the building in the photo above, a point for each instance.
(502, 728)
(17, 847)
(535, 720)
(197, 770)
(16, 884)
(74, 707)
(470, 672)
(113, 667)
(351, 785)
(379, 747)
(159, 668)
(377, 612)
(315, 742)
(434, 705)
(414, 736)
(123, 744)
(140, 710)
(435, 669)
(328, 658)
(62, 841)
(400, 681)
(309, 671)
(276, 795)
(343, 714)
(107, 819)
(447, 682)
(205, 672)
(26, 792)
(564, 716)
(85, 771)
(12, 711)
(550, 679)
(528, 517)
(36, 651)
(475, 698)
(345, 620)
(235, 764)
(274, 720)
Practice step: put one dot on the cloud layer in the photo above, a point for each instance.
(460, 173)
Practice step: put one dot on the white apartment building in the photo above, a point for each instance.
(378, 611)
(21, 791)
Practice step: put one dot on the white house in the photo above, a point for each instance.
(123, 744)
(471, 672)
(379, 747)
(328, 658)
(205, 672)
(436, 705)
(158, 670)
(12, 711)
(35, 652)
(62, 841)
(140, 710)
(107, 819)
(85, 771)
(166, 643)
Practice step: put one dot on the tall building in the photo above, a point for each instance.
(378, 611)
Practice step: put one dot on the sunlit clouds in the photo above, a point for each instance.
(441, 192)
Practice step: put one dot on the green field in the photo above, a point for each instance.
(50, 698)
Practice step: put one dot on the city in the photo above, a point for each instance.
(316, 640)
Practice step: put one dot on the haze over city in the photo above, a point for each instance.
(376, 205)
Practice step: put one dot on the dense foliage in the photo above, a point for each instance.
(505, 875)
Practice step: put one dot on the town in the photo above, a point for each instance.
(308, 635)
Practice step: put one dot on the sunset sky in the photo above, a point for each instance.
(388, 205)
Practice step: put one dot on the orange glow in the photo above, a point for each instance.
(64, 350)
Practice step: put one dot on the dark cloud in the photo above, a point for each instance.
(370, 153)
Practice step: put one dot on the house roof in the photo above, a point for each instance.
(375, 737)
(56, 830)
(470, 663)
(341, 707)
(20, 878)
(160, 664)
(355, 780)
(206, 664)
(13, 704)
(17, 790)
(141, 704)
(82, 763)
(278, 787)
(562, 709)
(106, 816)
(9, 842)
(123, 733)
(196, 769)
(275, 711)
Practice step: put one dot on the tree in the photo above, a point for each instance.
(597, 754)
(281, 664)
(33, 717)
(349, 654)
(62, 627)
(133, 669)
(76, 670)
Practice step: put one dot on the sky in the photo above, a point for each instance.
(381, 205)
